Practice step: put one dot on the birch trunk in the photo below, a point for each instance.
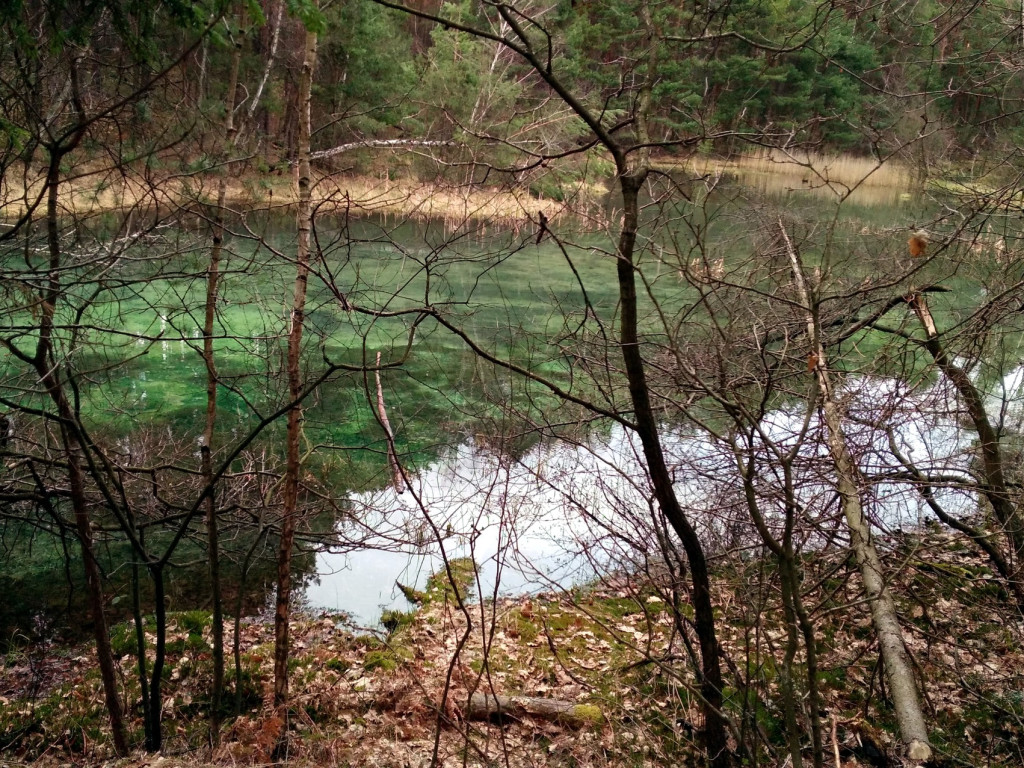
(898, 669)
(397, 479)
(275, 35)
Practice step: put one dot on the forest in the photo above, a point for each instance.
(572, 383)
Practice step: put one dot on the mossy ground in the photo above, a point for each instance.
(614, 648)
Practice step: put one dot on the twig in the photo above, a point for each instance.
(396, 470)
(835, 742)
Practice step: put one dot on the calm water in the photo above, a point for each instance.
(541, 518)
(565, 512)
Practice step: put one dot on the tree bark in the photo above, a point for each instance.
(485, 706)
(206, 451)
(661, 479)
(155, 731)
(379, 144)
(994, 489)
(397, 479)
(49, 370)
(275, 35)
(294, 373)
(797, 618)
(104, 651)
(898, 669)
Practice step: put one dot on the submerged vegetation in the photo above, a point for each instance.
(262, 263)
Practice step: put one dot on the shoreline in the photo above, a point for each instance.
(374, 699)
(92, 190)
(98, 191)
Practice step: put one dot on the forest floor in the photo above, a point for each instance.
(398, 699)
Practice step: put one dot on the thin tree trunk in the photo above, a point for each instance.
(104, 651)
(787, 684)
(994, 489)
(898, 668)
(797, 618)
(661, 479)
(274, 37)
(155, 741)
(630, 184)
(140, 645)
(382, 413)
(630, 180)
(323, 154)
(813, 696)
(203, 57)
(48, 369)
(212, 288)
(292, 459)
(236, 642)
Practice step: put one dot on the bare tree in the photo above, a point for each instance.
(898, 667)
(293, 466)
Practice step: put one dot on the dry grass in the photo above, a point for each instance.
(845, 170)
(433, 200)
(101, 190)
(841, 172)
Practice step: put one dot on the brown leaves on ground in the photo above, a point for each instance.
(357, 700)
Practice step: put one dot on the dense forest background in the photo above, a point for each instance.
(264, 265)
(936, 84)
(866, 79)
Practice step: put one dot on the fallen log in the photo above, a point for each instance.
(485, 706)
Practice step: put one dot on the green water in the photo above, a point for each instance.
(511, 297)
(142, 378)
(516, 299)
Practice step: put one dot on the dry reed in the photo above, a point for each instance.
(842, 172)
(99, 192)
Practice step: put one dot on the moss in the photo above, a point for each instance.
(394, 621)
(835, 679)
(249, 684)
(193, 622)
(562, 620)
(619, 607)
(369, 642)
(442, 587)
(386, 656)
(414, 596)
(63, 720)
(522, 625)
(384, 660)
(337, 665)
(590, 714)
(122, 639)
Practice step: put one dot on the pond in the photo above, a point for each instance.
(534, 515)
(566, 512)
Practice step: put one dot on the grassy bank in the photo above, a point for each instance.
(93, 189)
(579, 188)
(806, 167)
